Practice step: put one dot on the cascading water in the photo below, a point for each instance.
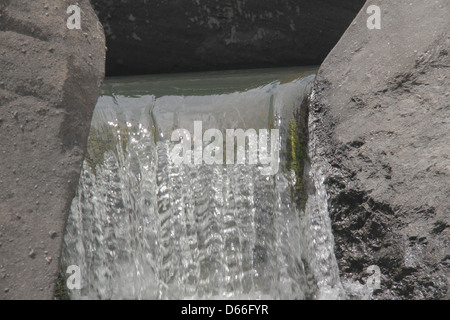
(142, 227)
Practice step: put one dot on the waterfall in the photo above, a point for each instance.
(141, 227)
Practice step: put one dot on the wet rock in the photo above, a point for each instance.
(47, 92)
(382, 120)
(197, 35)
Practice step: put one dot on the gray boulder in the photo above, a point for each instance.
(50, 81)
(381, 110)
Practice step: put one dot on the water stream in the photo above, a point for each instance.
(142, 227)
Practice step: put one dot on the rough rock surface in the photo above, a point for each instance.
(50, 79)
(194, 35)
(382, 117)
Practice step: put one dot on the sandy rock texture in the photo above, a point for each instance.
(381, 112)
(50, 79)
(194, 35)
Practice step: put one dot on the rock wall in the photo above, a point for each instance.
(49, 84)
(194, 35)
(381, 109)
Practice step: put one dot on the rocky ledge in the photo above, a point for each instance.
(50, 81)
(381, 109)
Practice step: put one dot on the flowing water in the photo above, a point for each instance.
(142, 227)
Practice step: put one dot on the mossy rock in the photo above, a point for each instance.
(297, 152)
(61, 290)
(106, 139)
